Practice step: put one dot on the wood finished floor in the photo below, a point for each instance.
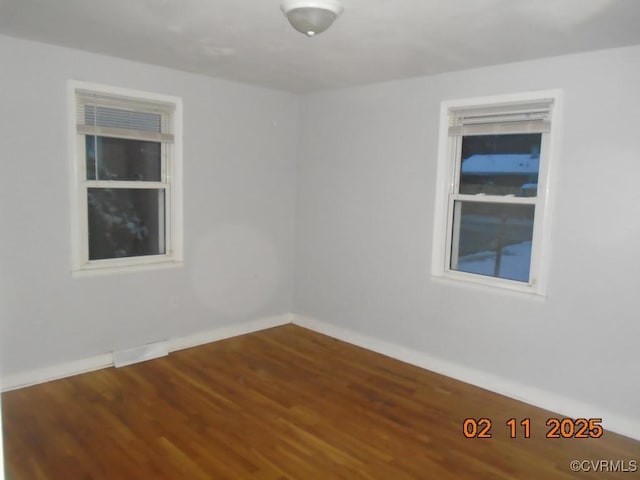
(284, 403)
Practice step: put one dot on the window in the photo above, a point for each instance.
(127, 173)
(492, 219)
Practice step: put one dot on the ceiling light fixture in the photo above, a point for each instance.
(311, 16)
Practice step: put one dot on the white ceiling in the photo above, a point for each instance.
(374, 40)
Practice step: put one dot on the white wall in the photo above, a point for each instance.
(364, 228)
(239, 192)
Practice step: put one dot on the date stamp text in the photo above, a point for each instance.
(558, 428)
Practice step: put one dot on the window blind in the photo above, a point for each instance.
(123, 117)
(503, 119)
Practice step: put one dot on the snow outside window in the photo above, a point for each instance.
(127, 178)
(493, 190)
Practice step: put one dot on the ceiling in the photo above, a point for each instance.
(374, 40)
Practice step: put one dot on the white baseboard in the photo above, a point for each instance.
(531, 395)
(55, 372)
(142, 353)
(228, 331)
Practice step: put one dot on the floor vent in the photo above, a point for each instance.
(143, 353)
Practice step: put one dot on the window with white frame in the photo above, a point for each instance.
(492, 218)
(127, 177)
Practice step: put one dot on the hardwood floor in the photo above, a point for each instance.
(284, 403)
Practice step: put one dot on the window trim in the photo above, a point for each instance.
(446, 181)
(80, 265)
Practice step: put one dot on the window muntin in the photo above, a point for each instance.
(493, 169)
(126, 172)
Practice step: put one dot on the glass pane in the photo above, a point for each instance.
(492, 239)
(90, 147)
(125, 222)
(123, 159)
(500, 164)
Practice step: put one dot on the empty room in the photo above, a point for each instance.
(320, 239)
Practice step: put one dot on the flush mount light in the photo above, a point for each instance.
(311, 16)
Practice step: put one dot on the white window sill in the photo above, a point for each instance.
(119, 269)
(486, 285)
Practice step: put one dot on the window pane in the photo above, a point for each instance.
(500, 164)
(123, 159)
(492, 239)
(125, 222)
(90, 145)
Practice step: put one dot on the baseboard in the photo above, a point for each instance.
(540, 398)
(228, 331)
(141, 353)
(55, 372)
